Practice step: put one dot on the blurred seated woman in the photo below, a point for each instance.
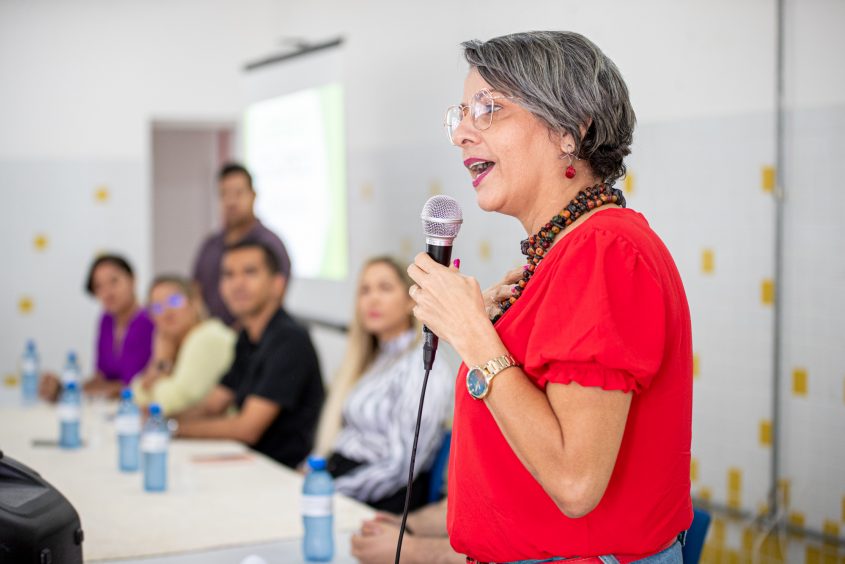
(124, 340)
(191, 352)
(367, 425)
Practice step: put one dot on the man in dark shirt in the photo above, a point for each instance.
(237, 198)
(275, 378)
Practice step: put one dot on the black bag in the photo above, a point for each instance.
(37, 524)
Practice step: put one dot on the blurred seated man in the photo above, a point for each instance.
(425, 541)
(275, 378)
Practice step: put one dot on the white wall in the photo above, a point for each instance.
(83, 80)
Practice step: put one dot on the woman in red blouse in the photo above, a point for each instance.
(573, 411)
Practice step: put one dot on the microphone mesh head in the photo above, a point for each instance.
(441, 217)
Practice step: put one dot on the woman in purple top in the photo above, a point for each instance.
(124, 342)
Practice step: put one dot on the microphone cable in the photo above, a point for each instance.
(429, 350)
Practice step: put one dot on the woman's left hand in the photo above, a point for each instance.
(448, 303)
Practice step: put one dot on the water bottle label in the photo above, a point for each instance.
(127, 424)
(68, 412)
(29, 366)
(154, 442)
(316, 506)
(69, 376)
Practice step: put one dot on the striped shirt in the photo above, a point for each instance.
(379, 418)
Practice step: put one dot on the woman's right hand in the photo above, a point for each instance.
(500, 291)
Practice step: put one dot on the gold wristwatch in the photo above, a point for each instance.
(480, 377)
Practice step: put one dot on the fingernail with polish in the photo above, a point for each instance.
(456, 263)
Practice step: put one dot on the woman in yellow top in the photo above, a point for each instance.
(191, 352)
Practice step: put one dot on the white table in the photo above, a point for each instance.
(212, 512)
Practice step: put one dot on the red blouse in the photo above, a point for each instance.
(605, 308)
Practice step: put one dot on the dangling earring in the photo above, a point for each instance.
(570, 170)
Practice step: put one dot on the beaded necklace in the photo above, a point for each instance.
(536, 246)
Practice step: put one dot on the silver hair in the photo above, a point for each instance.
(565, 80)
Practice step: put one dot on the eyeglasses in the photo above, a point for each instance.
(175, 301)
(481, 108)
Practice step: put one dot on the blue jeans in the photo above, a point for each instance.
(671, 555)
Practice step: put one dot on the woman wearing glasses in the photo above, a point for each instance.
(191, 352)
(572, 423)
(124, 337)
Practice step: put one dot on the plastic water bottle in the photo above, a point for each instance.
(128, 426)
(70, 408)
(317, 518)
(154, 442)
(71, 371)
(29, 373)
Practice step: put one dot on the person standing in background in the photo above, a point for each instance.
(237, 200)
(124, 342)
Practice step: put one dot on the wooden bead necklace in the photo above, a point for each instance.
(536, 246)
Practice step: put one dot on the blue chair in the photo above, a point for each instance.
(438, 470)
(695, 536)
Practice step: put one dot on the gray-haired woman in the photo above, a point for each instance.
(573, 418)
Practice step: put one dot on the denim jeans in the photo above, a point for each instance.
(671, 555)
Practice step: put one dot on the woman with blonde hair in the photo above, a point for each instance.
(367, 426)
(191, 351)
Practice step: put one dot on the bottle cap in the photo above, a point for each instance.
(30, 344)
(126, 394)
(155, 410)
(71, 356)
(317, 462)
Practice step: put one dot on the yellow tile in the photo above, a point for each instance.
(829, 556)
(768, 179)
(831, 528)
(693, 469)
(734, 488)
(484, 250)
(717, 533)
(813, 555)
(434, 188)
(25, 305)
(731, 557)
(101, 194)
(747, 539)
(785, 486)
(40, 242)
(765, 432)
(628, 184)
(767, 292)
(843, 508)
(796, 519)
(799, 382)
(705, 494)
(762, 509)
(707, 261)
(10, 380)
(696, 366)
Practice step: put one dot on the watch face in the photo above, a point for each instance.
(477, 383)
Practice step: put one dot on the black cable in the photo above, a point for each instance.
(429, 349)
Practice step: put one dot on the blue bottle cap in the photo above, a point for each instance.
(126, 394)
(155, 410)
(70, 386)
(30, 344)
(317, 462)
(71, 356)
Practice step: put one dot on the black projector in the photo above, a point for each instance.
(37, 524)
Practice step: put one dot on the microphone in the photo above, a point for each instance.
(441, 220)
